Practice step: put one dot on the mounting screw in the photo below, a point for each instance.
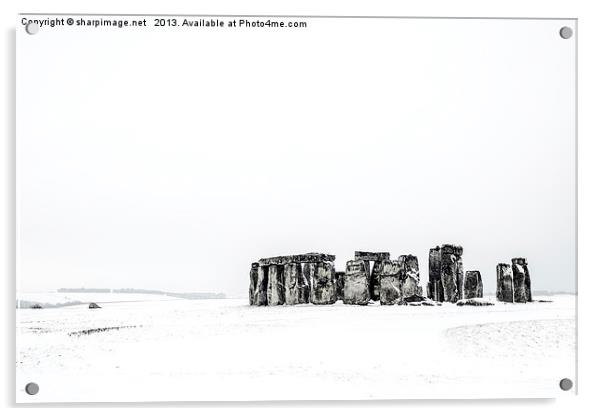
(32, 28)
(566, 32)
(566, 384)
(32, 389)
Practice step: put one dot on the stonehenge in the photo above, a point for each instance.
(293, 280)
(446, 274)
(521, 280)
(275, 293)
(473, 285)
(373, 277)
(505, 285)
(452, 274)
(514, 282)
(254, 275)
(372, 256)
(312, 278)
(390, 284)
(434, 288)
(300, 258)
(410, 277)
(473, 302)
(260, 288)
(357, 286)
(340, 278)
(323, 283)
(400, 281)
(296, 287)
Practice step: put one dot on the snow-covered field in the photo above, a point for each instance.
(189, 350)
(57, 299)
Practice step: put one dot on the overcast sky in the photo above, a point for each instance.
(172, 159)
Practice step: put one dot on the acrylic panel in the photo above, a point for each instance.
(295, 208)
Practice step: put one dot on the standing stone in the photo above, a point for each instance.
(323, 285)
(294, 284)
(306, 286)
(377, 258)
(473, 286)
(452, 274)
(528, 284)
(309, 269)
(340, 276)
(254, 275)
(390, 282)
(505, 285)
(434, 289)
(368, 270)
(521, 280)
(356, 290)
(261, 289)
(374, 286)
(460, 277)
(275, 285)
(410, 276)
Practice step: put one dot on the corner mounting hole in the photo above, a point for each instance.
(32, 389)
(32, 28)
(566, 384)
(566, 32)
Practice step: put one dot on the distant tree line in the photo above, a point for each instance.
(183, 295)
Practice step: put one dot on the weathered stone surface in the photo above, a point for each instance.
(452, 273)
(505, 285)
(306, 287)
(371, 256)
(356, 290)
(340, 276)
(521, 280)
(369, 272)
(434, 288)
(253, 275)
(446, 274)
(410, 276)
(309, 269)
(419, 301)
(275, 285)
(374, 286)
(415, 298)
(473, 302)
(390, 282)
(297, 258)
(323, 284)
(295, 285)
(473, 285)
(452, 249)
(460, 277)
(261, 289)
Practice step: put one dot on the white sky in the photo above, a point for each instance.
(172, 159)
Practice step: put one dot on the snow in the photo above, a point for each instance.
(56, 299)
(191, 350)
